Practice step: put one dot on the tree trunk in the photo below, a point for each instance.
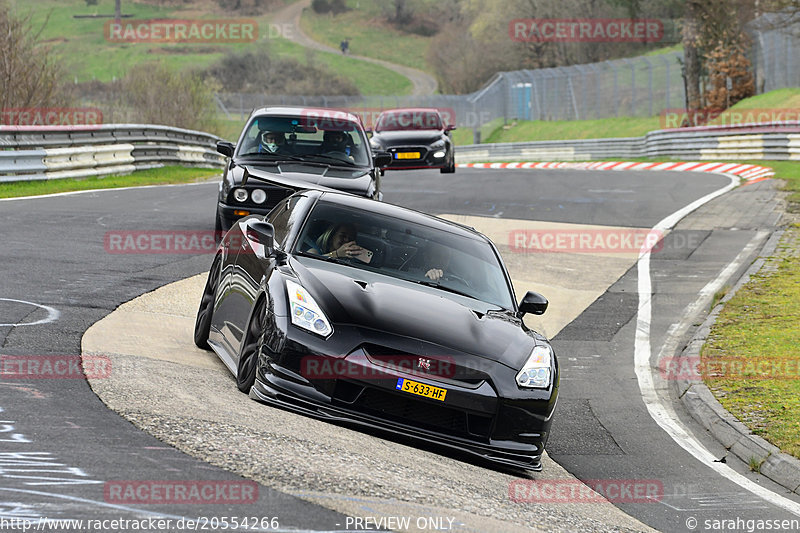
(691, 57)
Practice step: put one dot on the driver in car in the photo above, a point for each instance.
(272, 142)
(336, 142)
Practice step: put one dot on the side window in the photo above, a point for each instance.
(284, 216)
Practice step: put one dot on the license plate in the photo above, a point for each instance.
(420, 389)
(406, 155)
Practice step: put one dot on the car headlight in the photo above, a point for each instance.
(258, 196)
(535, 374)
(438, 145)
(374, 145)
(305, 312)
(240, 195)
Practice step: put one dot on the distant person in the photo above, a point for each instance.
(345, 46)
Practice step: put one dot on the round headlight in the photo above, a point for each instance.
(258, 196)
(240, 195)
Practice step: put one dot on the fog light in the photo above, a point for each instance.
(440, 154)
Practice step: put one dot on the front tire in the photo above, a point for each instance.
(251, 347)
(202, 326)
(450, 168)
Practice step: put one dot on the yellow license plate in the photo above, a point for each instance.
(407, 155)
(420, 389)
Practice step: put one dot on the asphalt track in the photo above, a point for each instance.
(54, 256)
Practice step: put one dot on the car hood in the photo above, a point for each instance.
(393, 138)
(295, 175)
(397, 307)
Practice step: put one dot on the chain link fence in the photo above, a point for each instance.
(642, 86)
(776, 41)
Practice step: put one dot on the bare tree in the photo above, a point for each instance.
(29, 75)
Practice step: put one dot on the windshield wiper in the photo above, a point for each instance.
(437, 285)
(273, 157)
(334, 159)
(327, 258)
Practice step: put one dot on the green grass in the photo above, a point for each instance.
(370, 79)
(154, 176)
(557, 130)
(369, 35)
(80, 44)
(759, 325)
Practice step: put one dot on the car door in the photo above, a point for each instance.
(253, 267)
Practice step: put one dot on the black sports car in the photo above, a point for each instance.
(368, 313)
(321, 146)
(416, 138)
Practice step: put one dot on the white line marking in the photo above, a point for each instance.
(662, 412)
(52, 314)
(71, 193)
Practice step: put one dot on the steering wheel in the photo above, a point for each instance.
(455, 277)
(339, 155)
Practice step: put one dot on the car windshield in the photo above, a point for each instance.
(333, 141)
(405, 250)
(409, 120)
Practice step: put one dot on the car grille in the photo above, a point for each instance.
(422, 414)
(451, 370)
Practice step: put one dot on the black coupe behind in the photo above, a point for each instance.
(416, 138)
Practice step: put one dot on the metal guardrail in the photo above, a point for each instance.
(774, 141)
(40, 153)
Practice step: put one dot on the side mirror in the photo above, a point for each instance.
(449, 127)
(225, 148)
(382, 159)
(533, 303)
(263, 233)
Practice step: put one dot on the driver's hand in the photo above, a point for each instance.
(434, 274)
(349, 249)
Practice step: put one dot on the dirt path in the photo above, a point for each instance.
(288, 19)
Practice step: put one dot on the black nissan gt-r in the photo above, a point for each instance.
(372, 314)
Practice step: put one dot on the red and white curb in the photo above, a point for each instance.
(749, 173)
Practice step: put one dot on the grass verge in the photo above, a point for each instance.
(154, 176)
(756, 338)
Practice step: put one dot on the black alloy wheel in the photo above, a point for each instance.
(202, 325)
(248, 357)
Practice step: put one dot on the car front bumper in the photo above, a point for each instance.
(475, 419)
